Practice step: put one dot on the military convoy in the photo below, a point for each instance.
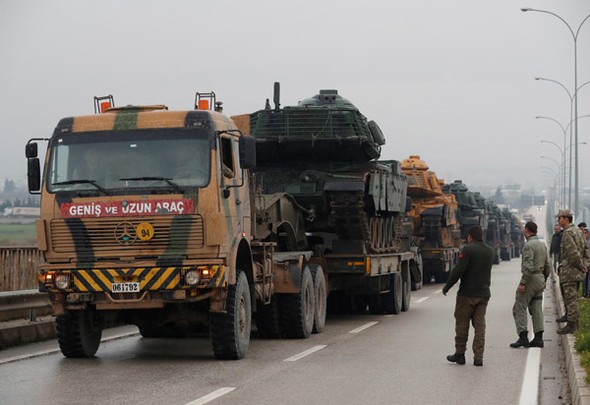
(187, 222)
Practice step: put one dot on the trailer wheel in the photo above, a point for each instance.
(406, 291)
(392, 300)
(268, 320)
(230, 331)
(297, 310)
(321, 298)
(79, 333)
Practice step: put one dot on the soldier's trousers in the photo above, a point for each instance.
(532, 299)
(470, 309)
(570, 298)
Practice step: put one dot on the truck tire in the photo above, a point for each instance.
(79, 333)
(321, 298)
(392, 300)
(406, 291)
(230, 331)
(268, 320)
(298, 310)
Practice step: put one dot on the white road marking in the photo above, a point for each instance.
(362, 328)
(421, 300)
(210, 397)
(529, 391)
(306, 353)
(438, 291)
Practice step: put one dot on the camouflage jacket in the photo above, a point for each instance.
(572, 255)
(534, 259)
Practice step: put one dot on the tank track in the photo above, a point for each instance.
(348, 214)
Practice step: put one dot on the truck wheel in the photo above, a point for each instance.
(416, 275)
(406, 292)
(321, 298)
(392, 300)
(230, 331)
(268, 320)
(79, 333)
(297, 310)
(426, 276)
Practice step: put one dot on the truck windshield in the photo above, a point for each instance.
(172, 159)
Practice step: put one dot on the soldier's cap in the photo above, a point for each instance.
(565, 213)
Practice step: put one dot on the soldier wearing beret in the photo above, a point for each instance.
(474, 270)
(572, 267)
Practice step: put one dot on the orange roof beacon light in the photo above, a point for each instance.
(204, 101)
(102, 103)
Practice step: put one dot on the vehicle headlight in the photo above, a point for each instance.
(191, 277)
(62, 281)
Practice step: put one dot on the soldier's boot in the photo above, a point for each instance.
(562, 319)
(523, 340)
(570, 327)
(456, 358)
(537, 340)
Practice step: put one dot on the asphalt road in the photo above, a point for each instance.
(396, 359)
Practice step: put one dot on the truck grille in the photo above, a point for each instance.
(99, 234)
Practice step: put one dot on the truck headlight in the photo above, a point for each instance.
(191, 277)
(62, 281)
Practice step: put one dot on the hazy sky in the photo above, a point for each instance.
(451, 81)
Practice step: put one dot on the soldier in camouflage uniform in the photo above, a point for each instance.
(572, 267)
(535, 269)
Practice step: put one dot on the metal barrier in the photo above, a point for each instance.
(18, 268)
(24, 305)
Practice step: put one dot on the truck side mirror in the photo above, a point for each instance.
(247, 152)
(33, 174)
(31, 150)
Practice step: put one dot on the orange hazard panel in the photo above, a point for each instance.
(104, 105)
(203, 104)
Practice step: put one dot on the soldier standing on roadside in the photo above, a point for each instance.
(572, 267)
(474, 269)
(535, 269)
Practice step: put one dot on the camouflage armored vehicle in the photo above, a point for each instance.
(472, 209)
(324, 153)
(435, 220)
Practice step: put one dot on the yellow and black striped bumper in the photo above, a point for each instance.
(149, 278)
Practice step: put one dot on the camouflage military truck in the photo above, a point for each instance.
(493, 233)
(324, 153)
(472, 207)
(434, 214)
(506, 242)
(148, 217)
(516, 234)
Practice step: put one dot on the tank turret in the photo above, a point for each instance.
(323, 128)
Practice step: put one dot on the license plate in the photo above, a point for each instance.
(124, 287)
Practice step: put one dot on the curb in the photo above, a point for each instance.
(576, 374)
(22, 331)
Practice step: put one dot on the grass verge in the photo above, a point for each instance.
(582, 335)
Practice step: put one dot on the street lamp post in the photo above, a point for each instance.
(562, 153)
(571, 98)
(575, 38)
(564, 130)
